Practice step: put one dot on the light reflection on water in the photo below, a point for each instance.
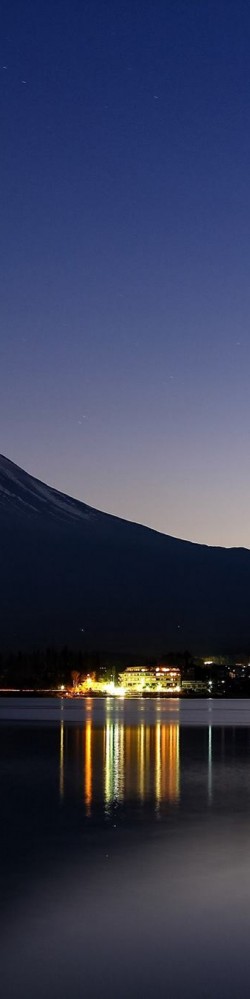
(138, 761)
(132, 762)
(125, 850)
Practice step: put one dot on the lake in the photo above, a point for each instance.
(125, 848)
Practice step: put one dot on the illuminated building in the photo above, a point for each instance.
(192, 685)
(134, 680)
(150, 679)
(89, 685)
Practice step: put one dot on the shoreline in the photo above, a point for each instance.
(60, 695)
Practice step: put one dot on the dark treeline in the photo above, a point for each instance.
(50, 667)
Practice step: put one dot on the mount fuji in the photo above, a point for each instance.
(73, 575)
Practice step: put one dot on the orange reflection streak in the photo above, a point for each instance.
(158, 765)
(177, 739)
(164, 755)
(136, 761)
(88, 766)
(147, 759)
(120, 763)
(142, 761)
(170, 762)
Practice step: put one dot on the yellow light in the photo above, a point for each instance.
(120, 691)
(114, 691)
(110, 687)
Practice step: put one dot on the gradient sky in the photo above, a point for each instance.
(125, 284)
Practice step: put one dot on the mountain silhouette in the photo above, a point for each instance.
(71, 574)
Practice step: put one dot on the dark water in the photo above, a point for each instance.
(125, 849)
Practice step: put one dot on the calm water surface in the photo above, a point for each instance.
(125, 848)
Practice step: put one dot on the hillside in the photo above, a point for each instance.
(70, 574)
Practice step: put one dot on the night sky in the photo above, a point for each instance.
(125, 285)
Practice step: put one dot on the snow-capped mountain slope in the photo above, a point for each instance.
(70, 574)
(17, 487)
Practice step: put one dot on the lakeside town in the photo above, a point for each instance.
(210, 679)
(175, 675)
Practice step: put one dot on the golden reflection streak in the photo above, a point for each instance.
(158, 767)
(164, 782)
(88, 766)
(108, 762)
(128, 757)
(61, 763)
(177, 738)
(174, 763)
(121, 762)
(147, 757)
(170, 763)
(115, 761)
(142, 762)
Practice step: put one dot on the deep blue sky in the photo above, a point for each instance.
(125, 284)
